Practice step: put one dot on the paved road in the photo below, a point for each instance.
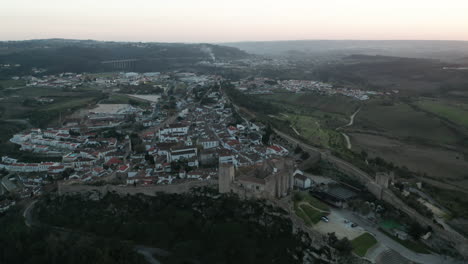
(418, 258)
(149, 252)
(28, 220)
(395, 246)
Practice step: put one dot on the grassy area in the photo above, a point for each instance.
(415, 246)
(329, 104)
(41, 91)
(312, 129)
(306, 197)
(456, 113)
(303, 216)
(69, 103)
(363, 243)
(309, 208)
(11, 83)
(125, 99)
(313, 214)
(117, 99)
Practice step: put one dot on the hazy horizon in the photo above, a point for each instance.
(223, 21)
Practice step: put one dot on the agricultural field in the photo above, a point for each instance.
(396, 130)
(442, 164)
(400, 120)
(454, 112)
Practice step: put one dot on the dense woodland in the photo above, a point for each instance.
(59, 56)
(23, 245)
(202, 226)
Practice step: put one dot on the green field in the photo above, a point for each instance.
(363, 243)
(402, 121)
(456, 113)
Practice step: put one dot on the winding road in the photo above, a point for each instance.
(351, 122)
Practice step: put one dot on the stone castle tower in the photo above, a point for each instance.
(225, 177)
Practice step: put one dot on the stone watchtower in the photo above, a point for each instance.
(383, 179)
(225, 177)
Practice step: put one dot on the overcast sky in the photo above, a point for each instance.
(233, 20)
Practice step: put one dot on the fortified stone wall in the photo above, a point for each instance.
(64, 189)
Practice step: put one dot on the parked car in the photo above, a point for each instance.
(354, 225)
(325, 219)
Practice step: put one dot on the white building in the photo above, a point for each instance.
(301, 181)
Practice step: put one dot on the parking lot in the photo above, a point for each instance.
(337, 224)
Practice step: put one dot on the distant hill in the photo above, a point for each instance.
(411, 76)
(63, 55)
(444, 50)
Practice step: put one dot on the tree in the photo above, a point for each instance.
(267, 135)
(364, 154)
(298, 149)
(343, 246)
(297, 197)
(140, 148)
(416, 230)
(305, 155)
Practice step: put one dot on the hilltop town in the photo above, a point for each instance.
(176, 130)
(172, 146)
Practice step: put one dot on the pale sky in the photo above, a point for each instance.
(233, 20)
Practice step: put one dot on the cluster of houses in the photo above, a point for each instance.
(268, 86)
(74, 80)
(21, 186)
(51, 141)
(207, 136)
(204, 136)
